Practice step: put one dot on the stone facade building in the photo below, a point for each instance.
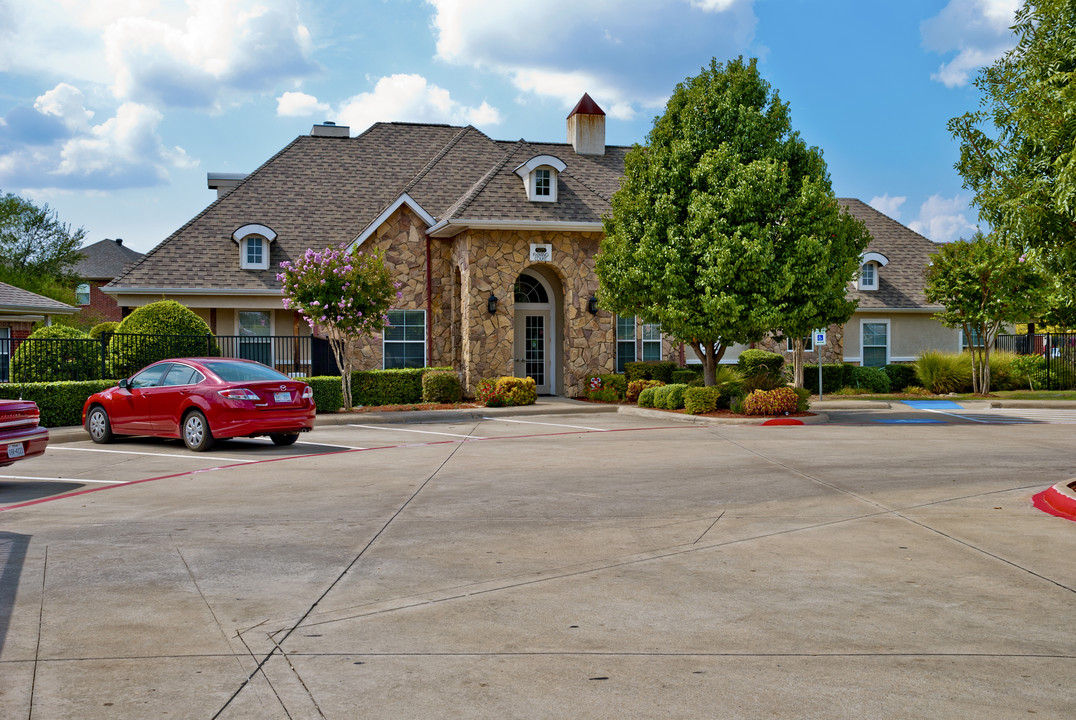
(493, 241)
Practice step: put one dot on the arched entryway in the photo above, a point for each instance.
(538, 322)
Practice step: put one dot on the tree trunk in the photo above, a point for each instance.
(797, 362)
(710, 355)
(339, 346)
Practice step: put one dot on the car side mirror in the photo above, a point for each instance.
(123, 384)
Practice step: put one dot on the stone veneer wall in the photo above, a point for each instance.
(465, 269)
(832, 352)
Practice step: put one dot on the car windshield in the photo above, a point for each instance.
(244, 372)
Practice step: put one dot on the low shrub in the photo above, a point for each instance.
(781, 401)
(328, 396)
(872, 379)
(637, 386)
(763, 381)
(96, 330)
(607, 388)
(647, 396)
(160, 330)
(685, 376)
(698, 400)
(650, 370)
(388, 387)
(60, 403)
(901, 375)
(441, 386)
(63, 353)
(1028, 371)
(803, 399)
(756, 362)
(506, 391)
(833, 377)
(670, 397)
(916, 390)
(944, 373)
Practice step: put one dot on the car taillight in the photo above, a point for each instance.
(238, 394)
(308, 393)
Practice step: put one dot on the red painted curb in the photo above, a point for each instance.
(1056, 501)
(782, 421)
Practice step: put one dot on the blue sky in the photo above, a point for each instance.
(113, 111)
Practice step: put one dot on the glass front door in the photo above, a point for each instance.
(532, 348)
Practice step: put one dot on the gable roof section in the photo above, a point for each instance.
(105, 260)
(16, 300)
(901, 281)
(321, 191)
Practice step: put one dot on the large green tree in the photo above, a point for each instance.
(984, 284)
(37, 250)
(1018, 151)
(725, 227)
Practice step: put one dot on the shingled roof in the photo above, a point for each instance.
(900, 283)
(17, 300)
(320, 191)
(105, 260)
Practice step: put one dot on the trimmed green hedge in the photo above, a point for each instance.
(650, 370)
(755, 362)
(670, 397)
(701, 399)
(60, 403)
(328, 395)
(606, 388)
(834, 377)
(685, 375)
(901, 375)
(388, 387)
(441, 386)
(873, 379)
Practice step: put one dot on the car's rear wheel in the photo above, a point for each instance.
(284, 438)
(196, 432)
(98, 425)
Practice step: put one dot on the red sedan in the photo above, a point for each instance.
(21, 436)
(200, 400)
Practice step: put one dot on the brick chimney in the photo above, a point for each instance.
(586, 127)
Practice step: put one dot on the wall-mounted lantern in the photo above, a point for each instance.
(592, 305)
(491, 304)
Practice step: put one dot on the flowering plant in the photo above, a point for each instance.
(345, 292)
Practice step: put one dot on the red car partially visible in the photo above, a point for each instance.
(201, 400)
(21, 435)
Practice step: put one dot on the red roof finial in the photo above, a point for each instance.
(586, 106)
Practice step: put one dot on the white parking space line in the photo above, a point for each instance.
(424, 432)
(214, 458)
(70, 480)
(956, 415)
(532, 422)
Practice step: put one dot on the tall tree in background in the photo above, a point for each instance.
(725, 227)
(37, 250)
(984, 284)
(1018, 152)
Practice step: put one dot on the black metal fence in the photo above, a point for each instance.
(116, 355)
(1058, 353)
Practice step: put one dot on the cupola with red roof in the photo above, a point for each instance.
(586, 127)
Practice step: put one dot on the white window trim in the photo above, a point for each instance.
(634, 339)
(863, 283)
(253, 230)
(526, 171)
(425, 338)
(808, 345)
(888, 338)
(878, 260)
(643, 341)
(79, 291)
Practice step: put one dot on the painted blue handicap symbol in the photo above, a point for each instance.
(932, 404)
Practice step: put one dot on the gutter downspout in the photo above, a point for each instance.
(429, 305)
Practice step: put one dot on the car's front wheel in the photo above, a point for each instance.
(98, 425)
(196, 432)
(284, 438)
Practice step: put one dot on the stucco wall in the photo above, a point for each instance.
(909, 335)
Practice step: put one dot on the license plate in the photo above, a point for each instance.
(282, 397)
(15, 450)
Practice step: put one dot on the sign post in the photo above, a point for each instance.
(819, 341)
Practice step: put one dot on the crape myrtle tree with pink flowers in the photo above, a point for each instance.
(346, 293)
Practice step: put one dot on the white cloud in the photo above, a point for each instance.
(943, 219)
(189, 53)
(977, 30)
(411, 98)
(299, 104)
(888, 205)
(124, 150)
(626, 53)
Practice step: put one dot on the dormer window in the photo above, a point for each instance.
(868, 271)
(254, 246)
(539, 175)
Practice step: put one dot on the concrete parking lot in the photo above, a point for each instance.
(586, 566)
